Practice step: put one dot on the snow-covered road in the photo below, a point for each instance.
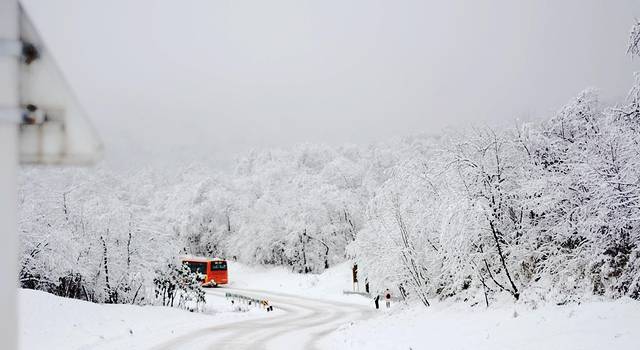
(301, 325)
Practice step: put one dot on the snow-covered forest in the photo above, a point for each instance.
(547, 211)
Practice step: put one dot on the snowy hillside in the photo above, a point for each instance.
(51, 322)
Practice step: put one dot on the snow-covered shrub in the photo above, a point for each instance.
(174, 281)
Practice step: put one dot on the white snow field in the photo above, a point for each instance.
(313, 313)
(593, 325)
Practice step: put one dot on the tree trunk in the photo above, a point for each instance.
(105, 264)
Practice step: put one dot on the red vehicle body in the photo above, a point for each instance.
(211, 272)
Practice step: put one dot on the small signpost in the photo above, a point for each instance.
(354, 271)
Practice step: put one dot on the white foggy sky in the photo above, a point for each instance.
(212, 79)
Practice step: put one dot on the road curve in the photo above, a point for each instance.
(304, 322)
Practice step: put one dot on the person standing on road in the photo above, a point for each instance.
(377, 301)
(387, 297)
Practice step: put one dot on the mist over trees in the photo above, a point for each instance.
(542, 212)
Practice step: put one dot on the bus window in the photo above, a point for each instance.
(197, 267)
(218, 265)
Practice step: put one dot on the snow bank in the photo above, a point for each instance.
(595, 325)
(51, 322)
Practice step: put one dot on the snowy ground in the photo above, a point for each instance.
(51, 322)
(309, 309)
(595, 325)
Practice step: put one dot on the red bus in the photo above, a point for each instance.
(211, 272)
